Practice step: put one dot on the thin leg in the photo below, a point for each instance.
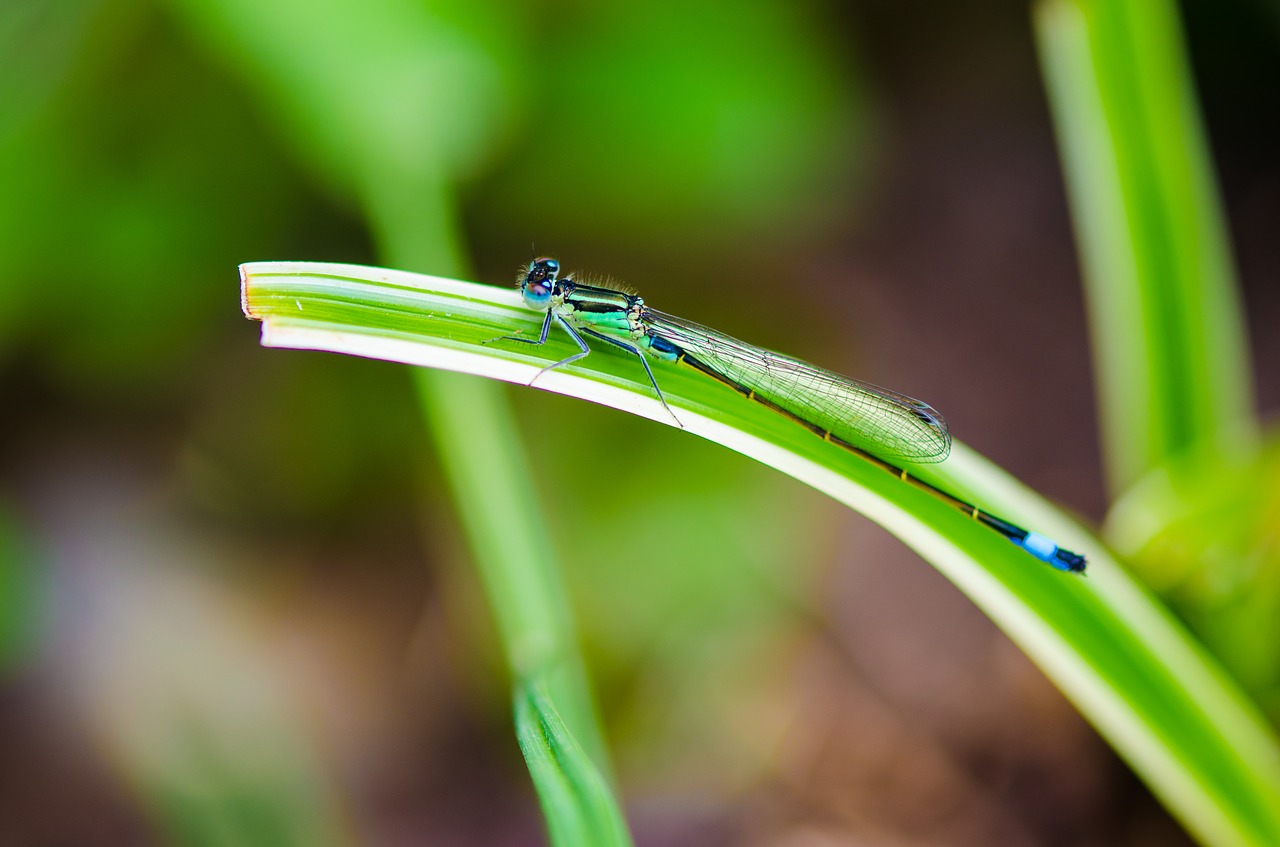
(582, 345)
(631, 348)
(542, 337)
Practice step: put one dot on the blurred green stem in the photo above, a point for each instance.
(388, 100)
(576, 801)
(1169, 340)
(487, 470)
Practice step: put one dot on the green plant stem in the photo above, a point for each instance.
(1169, 340)
(492, 487)
(576, 801)
(389, 104)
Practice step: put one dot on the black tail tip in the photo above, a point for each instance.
(1068, 561)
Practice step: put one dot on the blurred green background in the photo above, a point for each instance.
(235, 606)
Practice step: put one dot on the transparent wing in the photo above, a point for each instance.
(883, 422)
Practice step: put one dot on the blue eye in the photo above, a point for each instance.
(536, 295)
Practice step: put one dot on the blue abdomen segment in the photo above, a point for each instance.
(1046, 550)
(661, 348)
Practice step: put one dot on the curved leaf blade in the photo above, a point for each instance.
(1143, 682)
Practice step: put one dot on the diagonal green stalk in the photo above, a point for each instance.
(1168, 336)
(364, 96)
(492, 486)
(1146, 685)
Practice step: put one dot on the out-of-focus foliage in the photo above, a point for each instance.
(1196, 495)
(743, 118)
(132, 163)
(1168, 334)
(1202, 533)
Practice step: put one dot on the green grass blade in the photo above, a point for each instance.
(1168, 335)
(1131, 669)
(576, 801)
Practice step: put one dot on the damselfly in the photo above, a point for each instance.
(878, 425)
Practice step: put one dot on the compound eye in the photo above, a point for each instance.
(536, 294)
(548, 267)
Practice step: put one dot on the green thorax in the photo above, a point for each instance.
(603, 309)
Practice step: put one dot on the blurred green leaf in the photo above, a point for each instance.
(98, 201)
(1169, 339)
(399, 90)
(40, 43)
(657, 117)
(1144, 683)
(1203, 535)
